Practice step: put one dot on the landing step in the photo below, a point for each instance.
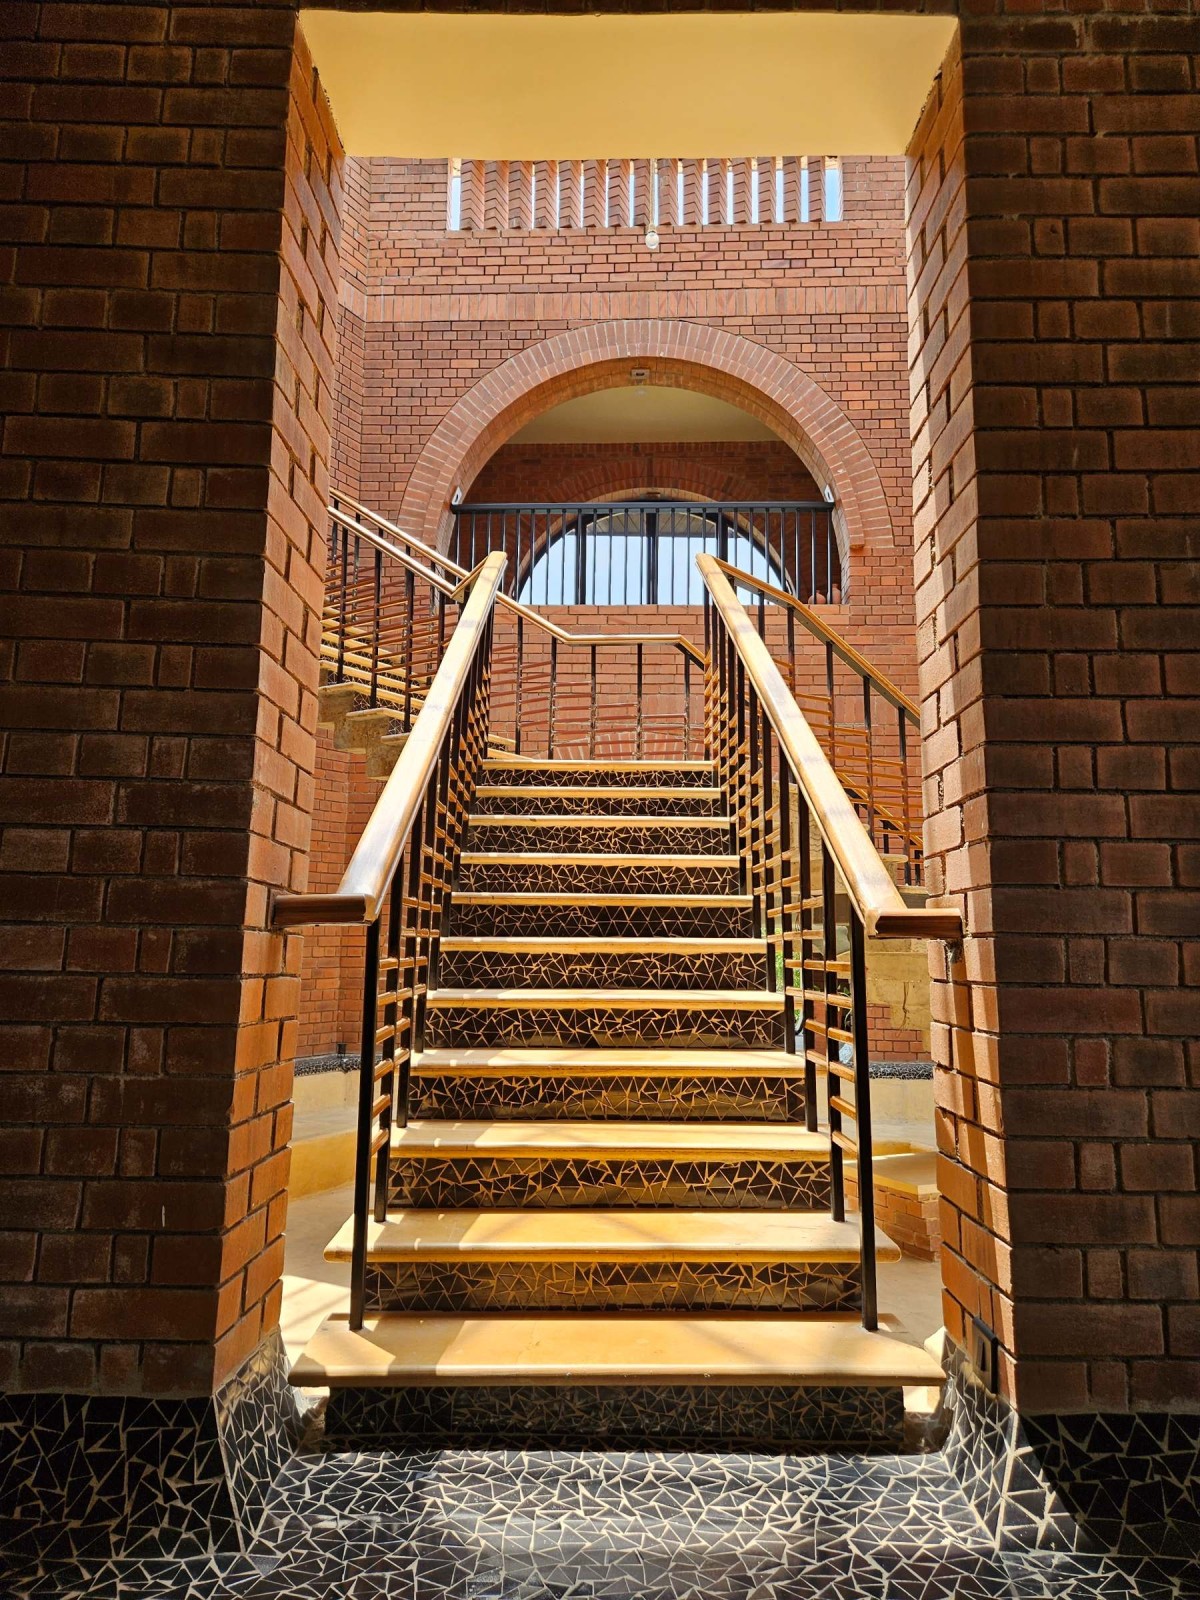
(591, 1061)
(628, 1236)
(393, 1350)
(605, 1141)
(607, 999)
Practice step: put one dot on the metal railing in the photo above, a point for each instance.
(867, 727)
(390, 607)
(642, 552)
(818, 884)
(398, 884)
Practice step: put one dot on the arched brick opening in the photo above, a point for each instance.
(688, 355)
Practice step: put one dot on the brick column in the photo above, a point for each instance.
(168, 285)
(1053, 272)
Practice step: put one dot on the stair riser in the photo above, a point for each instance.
(581, 803)
(508, 1285)
(596, 877)
(575, 1416)
(496, 969)
(683, 1027)
(607, 1098)
(529, 1182)
(652, 838)
(619, 921)
(598, 777)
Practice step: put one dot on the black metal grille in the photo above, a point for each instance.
(642, 552)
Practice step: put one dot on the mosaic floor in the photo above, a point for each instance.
(556, 1525)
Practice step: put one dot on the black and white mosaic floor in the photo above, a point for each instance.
(970, 1522)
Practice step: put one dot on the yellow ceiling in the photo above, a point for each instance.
(516, 87)
(636, 414)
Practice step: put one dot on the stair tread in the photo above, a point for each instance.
(621, 999)
(400, 1348)
(508, 897)
(607, 1140)
(595, 858)
(589, 819)
(617, 944)
(668, 791)
(608, 1235)
(568, 764)
(586, 1060)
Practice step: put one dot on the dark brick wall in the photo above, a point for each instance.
(167, 280)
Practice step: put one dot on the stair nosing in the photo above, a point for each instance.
(604, 1141)
(728, 1348)
(608, 1234)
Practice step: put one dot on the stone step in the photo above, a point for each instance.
(605, 961)
(634, 1085)
(561, 799)
(696, 1166)
(606, 1259)
(686, 1381)
(596, 873)
(516, 769)
(604, 1017)
(515, 913)
(616, 835)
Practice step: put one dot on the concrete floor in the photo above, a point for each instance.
(313, 1288)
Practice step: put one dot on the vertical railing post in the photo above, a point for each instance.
(364, 1133)
(837, 1186)
(519, 683)
(687, 706)
(640, 746)
(592, 702)
(905, 799)
(410, 595)
(866, 691)
(344, 601)
(553, 694)
(862, 1118)
(375, 626)
(807, 941)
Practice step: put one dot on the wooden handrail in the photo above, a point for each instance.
(820, 629)
(677, 640)
(868, 882)
(360, 895)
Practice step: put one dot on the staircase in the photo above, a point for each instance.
(605, 1222)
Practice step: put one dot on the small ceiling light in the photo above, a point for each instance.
(651, 238)
(828, 493)
(639, 375)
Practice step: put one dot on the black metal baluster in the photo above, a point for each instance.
(687, 700)
(803, 872)
(640, 730)
(374, 694)
(519, 682)
(553, 691)
(837, 1185)
(344, 601)
(866, 685)
(410, 600)
(592, 705)
(365, 1131)
(862, 1118)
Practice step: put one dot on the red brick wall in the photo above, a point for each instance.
(745, 469)
(1054, 456)
(163, 471)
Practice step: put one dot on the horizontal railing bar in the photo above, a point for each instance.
(377, 854)
(868, 882)
(827, 635)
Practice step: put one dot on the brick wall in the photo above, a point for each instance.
(744, 469)
(1054, 457)
(168, 354)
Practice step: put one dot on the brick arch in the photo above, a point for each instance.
(686, 355)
